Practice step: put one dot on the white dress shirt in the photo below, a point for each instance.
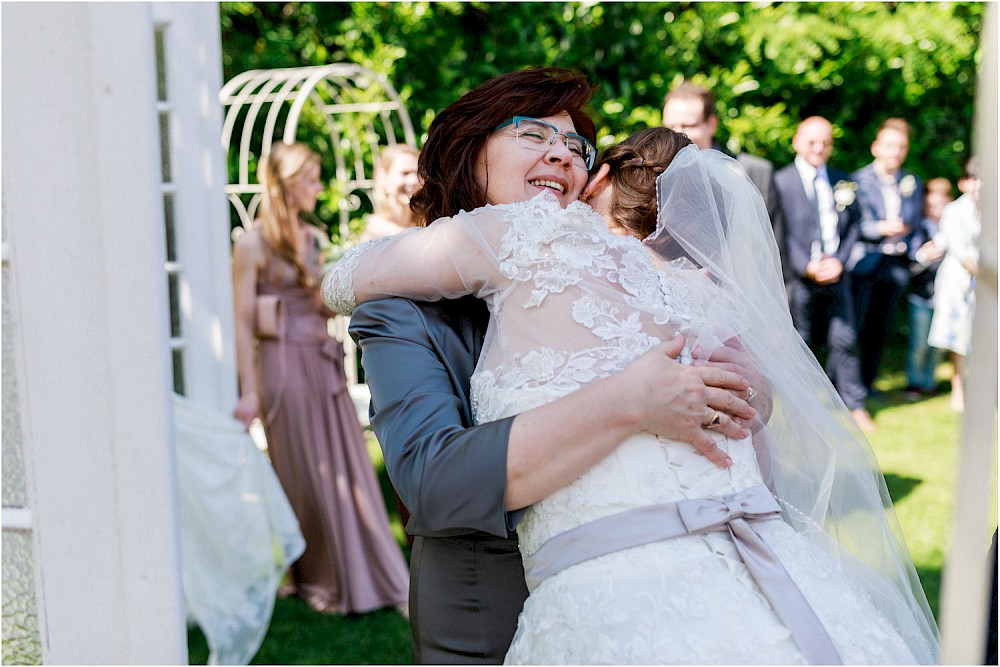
(817, 185)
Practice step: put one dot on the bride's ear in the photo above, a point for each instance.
(597, 184)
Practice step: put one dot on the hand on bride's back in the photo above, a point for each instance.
(677, 400)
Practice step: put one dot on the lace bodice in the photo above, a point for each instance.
(571, 303)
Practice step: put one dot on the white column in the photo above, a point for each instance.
(80, 196)
(965, 585)
(194, 77)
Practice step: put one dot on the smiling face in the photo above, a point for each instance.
(889, 150)
(400, 181)
(813, 142)
(509, 173)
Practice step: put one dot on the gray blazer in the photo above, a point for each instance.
(466, 579)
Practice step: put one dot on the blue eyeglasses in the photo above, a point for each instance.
(537, 135)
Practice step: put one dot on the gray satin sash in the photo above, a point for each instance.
(653, 523)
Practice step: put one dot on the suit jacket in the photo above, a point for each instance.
(872, 205)
(802, 219)
(761, 173)
(418, 360)
(466, 577)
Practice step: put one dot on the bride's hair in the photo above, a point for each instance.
(635, 163)
(458, 134)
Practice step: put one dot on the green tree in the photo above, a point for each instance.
(770, 64)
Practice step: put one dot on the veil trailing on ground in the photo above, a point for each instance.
(813, 455)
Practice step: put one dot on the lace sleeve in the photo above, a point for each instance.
(338, 285)
(452, 257)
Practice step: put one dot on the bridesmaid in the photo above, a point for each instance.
(291, 375)
(394, 183)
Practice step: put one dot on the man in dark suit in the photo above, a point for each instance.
(821, 226)
(891, 203)
(690, 109)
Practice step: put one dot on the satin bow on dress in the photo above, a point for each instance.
(736, 513)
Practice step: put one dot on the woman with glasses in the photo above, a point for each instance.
(466, 486)
(656, 555)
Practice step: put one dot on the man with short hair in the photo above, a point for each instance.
(891, 201)
(821, 226)
(690, 109)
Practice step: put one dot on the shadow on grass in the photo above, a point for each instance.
(899, 486)
(930, 579)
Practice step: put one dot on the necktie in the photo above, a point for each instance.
(825, 214)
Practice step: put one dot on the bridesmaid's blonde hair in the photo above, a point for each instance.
(282, 166)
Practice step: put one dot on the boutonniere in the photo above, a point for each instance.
(843, 194)
(907, 185)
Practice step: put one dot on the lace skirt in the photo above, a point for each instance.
(690, 600)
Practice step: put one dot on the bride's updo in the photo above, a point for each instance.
(634, 165)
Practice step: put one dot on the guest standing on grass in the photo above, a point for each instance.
(467, 485)
(291, 376)
(922, 359)
(891, 202)
(955, 284)
(821, 226)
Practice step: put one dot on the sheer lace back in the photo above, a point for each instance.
(555, 280)
(558, 316)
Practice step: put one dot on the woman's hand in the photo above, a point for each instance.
(247, 409)
(553, 444)
(678, 402)
(733, 357)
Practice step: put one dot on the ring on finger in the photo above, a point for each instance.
(751, 394)
(714, 422)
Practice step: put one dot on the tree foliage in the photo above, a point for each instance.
(770, 64)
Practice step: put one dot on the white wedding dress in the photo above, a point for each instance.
(571, 303)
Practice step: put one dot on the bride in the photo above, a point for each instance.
(657, 555)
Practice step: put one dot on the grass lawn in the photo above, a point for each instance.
(916, 444)
(917, 447)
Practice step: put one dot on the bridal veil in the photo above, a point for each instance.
(814, 457)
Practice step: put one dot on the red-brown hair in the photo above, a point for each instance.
(458, 134)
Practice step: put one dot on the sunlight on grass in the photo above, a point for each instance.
(916, 445)
(917, 448)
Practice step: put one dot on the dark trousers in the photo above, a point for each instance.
(877, 291)
(824, 317)
(466, 593)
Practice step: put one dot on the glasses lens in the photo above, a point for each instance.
(581, 148)
(538, 135)
(535, 133)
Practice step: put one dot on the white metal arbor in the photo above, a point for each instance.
(352, 110)
(357, 110)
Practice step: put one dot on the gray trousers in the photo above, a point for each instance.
(465, 596)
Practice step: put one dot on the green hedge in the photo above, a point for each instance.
(771, 64)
